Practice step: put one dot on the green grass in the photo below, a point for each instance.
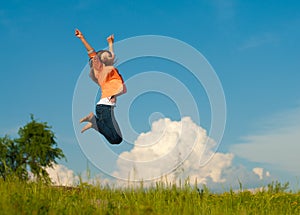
(17, 197)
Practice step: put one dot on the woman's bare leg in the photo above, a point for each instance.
(91, 119)
(87, 118)
(86, 127)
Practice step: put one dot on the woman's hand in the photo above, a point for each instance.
(110, 39)
(78, 33)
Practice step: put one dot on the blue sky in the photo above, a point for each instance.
(252, 46)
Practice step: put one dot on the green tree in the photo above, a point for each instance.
(34, 150)
(5, 143)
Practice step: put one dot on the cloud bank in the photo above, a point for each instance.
(180, 150)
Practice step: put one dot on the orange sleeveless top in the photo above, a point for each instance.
(112, 84)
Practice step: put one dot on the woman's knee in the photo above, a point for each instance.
(115, 141)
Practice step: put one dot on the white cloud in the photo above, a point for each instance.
(179, 150)
(260, 172)
(61, 175)
(277, 144)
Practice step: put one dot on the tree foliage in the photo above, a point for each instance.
(34, 150)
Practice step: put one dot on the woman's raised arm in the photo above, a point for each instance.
(110, 41)
(89, 48)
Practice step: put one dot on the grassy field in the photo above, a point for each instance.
(33, 198)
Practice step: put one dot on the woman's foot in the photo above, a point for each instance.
(86, 127)
(87, 118)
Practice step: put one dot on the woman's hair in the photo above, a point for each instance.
(106, 57)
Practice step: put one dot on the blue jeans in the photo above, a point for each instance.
(107, 124)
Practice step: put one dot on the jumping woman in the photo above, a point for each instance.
(107, 77)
